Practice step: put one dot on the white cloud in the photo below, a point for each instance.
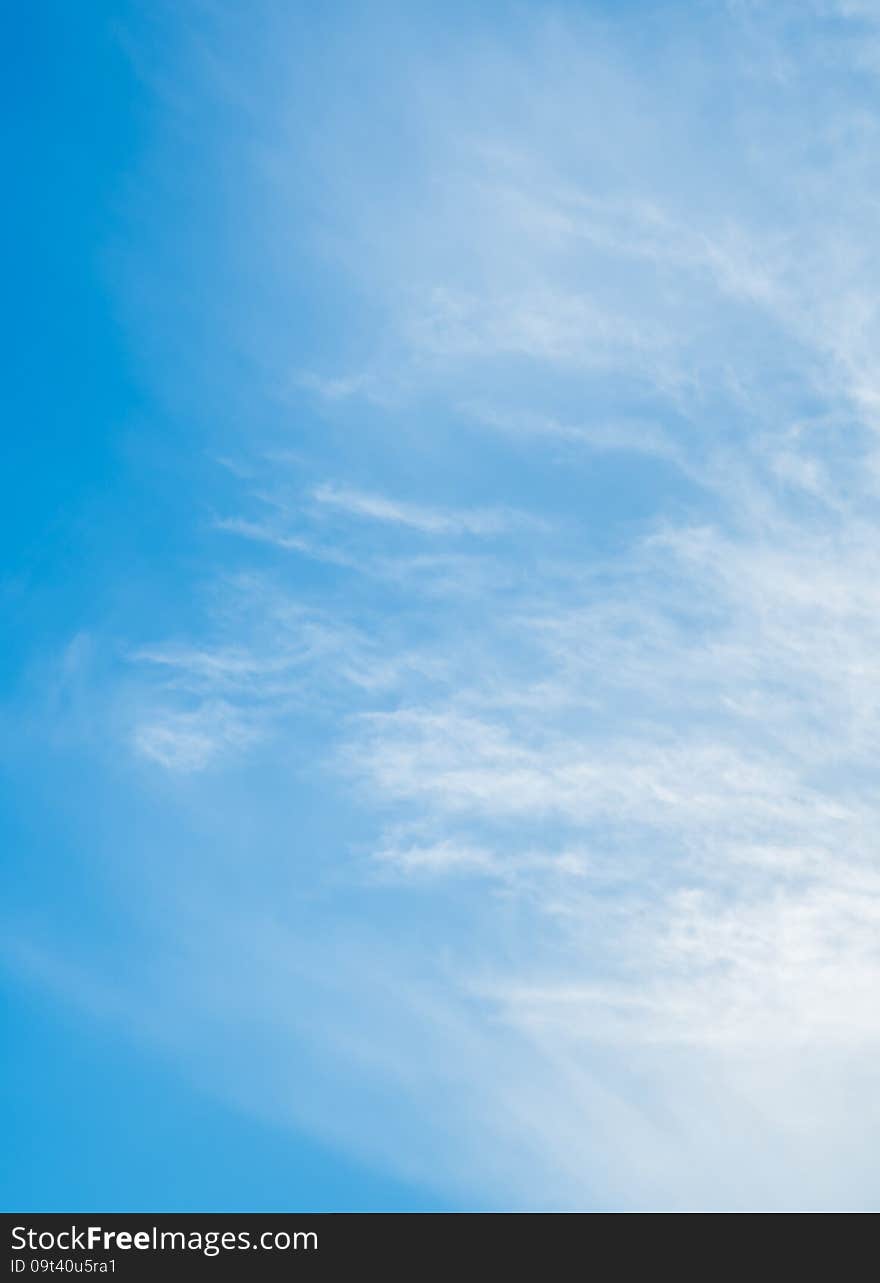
(181, 741)
(429, 521)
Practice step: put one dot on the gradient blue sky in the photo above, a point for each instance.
(440, 705)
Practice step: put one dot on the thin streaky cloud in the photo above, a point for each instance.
(427, 520)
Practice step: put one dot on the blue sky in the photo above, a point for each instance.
(439, 578)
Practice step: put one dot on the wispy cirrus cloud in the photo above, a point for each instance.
(429, 521)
